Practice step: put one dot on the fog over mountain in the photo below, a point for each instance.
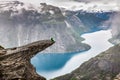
(78, 4)
(23, 23)
(62, 21)
(115, 26)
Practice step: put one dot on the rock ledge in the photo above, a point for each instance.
(15, 62)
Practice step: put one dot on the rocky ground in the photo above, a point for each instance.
(15, 62)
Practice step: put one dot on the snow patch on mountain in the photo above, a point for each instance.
(91, 6)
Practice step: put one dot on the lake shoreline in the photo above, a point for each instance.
(55, 65)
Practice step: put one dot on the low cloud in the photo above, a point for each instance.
(87, 4)
(116, 24)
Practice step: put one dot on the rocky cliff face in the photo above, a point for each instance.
(105, 66)
(15, 62)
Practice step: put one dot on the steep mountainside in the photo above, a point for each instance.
(22, 23)
(105, 66)
(25, 23)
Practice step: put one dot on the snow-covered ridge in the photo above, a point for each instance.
(11, 5)
(69, 5)
(89, 7)
(44, 11)
(17, 5)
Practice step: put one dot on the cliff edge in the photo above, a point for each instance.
(15, 62)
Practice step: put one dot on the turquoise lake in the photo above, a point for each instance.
(54, 64)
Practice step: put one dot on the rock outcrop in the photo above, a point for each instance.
(105, 66)
(117, 77)
(15, 62)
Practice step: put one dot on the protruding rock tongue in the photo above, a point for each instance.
(15, 63)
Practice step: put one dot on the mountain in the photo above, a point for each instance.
(105, 66)
(23, 23)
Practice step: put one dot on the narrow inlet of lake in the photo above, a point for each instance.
(54, 65)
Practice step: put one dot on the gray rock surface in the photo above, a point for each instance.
(117, 77)
(15, 62)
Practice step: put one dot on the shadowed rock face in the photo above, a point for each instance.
(15, 62)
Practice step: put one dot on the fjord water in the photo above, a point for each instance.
(53, 65)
